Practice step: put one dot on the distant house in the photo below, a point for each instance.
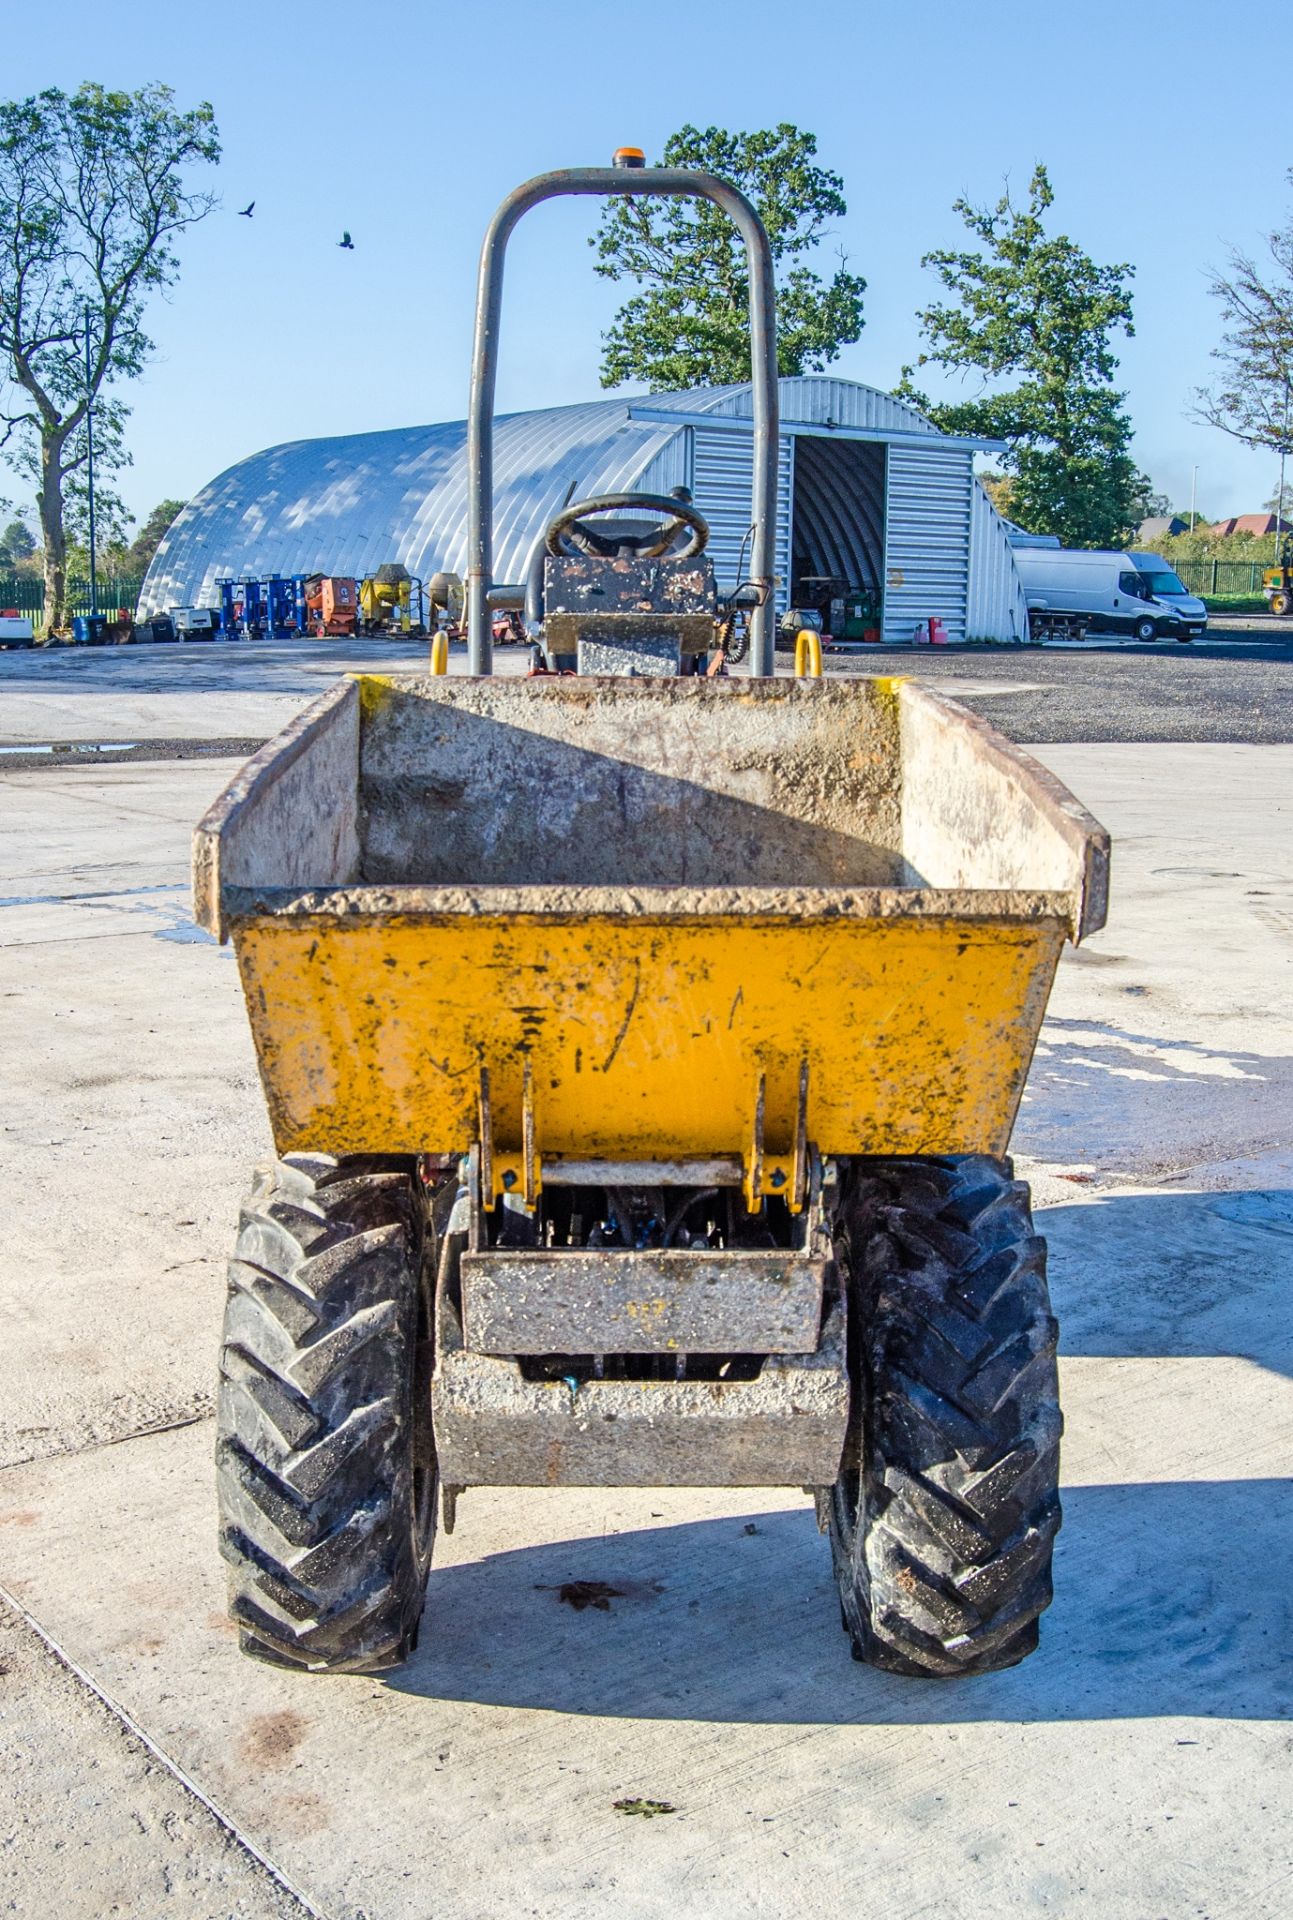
(1160, 525)
(1258, 523)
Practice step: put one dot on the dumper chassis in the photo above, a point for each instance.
(641, 1046)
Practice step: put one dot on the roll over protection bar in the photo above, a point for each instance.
(676, 183)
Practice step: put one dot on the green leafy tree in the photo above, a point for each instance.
(999, 488)
(112, 518)
(93, 197)
(689, 326)
(1032, 316)
(150, 536)
(1150, 504)
(1252, 400)
(16, 544)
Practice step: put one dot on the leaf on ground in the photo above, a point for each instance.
(648, 1809)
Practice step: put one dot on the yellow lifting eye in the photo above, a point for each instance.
(808, 654)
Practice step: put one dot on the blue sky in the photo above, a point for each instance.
(408, 123)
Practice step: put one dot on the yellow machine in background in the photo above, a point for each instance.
(391, 601)
(1277, 582)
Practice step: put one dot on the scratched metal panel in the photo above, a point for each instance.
(547, 1300)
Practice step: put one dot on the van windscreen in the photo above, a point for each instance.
(1160, 583)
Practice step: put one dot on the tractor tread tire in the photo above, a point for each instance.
(942, 1540)
(322, 1520)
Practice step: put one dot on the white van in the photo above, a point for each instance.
(1071, 592)
(1165, 586)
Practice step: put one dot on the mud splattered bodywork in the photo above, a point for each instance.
(662, 923)
(677, 1025)
(647, 912)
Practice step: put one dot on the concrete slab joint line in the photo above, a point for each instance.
(172, 1767)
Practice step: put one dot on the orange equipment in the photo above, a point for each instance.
(331, 606)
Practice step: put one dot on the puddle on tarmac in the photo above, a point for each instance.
(73, 746)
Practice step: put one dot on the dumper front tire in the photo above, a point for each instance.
(943, 1519)
(327, 1480)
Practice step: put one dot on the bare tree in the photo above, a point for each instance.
(1251, 400)
(92, 198)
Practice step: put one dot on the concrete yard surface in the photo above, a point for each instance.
(481, 1778)
(94, 1823)
(1137, 1767)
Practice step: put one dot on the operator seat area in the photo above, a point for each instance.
(626, 597)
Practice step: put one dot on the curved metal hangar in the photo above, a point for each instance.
(871, 495)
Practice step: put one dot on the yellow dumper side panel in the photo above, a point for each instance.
(645, 1038)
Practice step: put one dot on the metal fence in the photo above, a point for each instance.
(1221, 577)
(28, 596)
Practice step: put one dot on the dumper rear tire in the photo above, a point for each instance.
(943, 1519)
(326, 1466)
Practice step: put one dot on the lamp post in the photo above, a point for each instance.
(1194, 480)
(89, 463)
(1279, 498)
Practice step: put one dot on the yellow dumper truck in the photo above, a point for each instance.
(641, 1047)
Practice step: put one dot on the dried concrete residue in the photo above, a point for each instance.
(410, 905)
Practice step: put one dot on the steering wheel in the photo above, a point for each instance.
(566, 536)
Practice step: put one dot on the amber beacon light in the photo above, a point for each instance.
(628, 157)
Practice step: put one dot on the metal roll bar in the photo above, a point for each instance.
(676, 183)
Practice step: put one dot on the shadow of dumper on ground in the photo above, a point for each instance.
(1173, 1598)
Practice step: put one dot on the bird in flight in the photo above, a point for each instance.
(244, 213)
(346, 241)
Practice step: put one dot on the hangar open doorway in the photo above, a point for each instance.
(837, 526)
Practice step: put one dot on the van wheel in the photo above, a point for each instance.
(943, 1517)
(1145, 630)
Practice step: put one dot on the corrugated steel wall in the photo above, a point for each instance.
(346, 505)
(813, 399)
(671, 467)
(927, 539)
(997, 608)
(722, 482)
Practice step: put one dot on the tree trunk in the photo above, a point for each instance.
(55, 538)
